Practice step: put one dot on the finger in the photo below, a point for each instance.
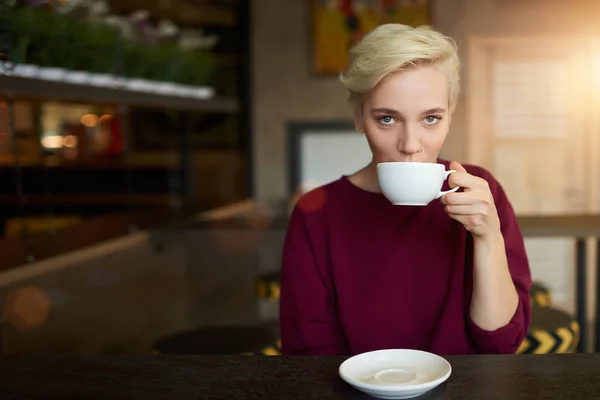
(461, 179)
(455, 165)
(466, 181)
(467, 209)
(460, 198)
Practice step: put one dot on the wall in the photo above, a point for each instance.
(284, 89)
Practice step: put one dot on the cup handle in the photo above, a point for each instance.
(441, 193)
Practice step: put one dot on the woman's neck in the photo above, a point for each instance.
(366, 178)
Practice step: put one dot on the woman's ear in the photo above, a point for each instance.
(358, 118)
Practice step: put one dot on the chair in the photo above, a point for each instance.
(540, 295)
(267, 286)
(551, 330)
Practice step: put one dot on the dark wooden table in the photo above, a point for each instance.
(514, 377)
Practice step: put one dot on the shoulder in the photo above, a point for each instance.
(319, 200)
(311, 210)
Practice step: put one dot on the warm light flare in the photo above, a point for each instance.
(89, 120)
(52, 142)
(70, 141)
(105, 118)
(27, 307)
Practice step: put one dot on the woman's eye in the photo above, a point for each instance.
(387, 120)
(432, 120)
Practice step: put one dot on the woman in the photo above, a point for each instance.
(361, 274)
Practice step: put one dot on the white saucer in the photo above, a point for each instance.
(395, 374)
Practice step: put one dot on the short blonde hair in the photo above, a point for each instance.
(394, 47)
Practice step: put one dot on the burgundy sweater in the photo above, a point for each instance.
(361, 274)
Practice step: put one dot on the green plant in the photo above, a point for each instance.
(100, 47)
(50, 39)
(195, 68)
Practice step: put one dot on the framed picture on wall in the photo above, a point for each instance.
(338, 24)
(320, 152)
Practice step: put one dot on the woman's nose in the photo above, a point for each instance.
(408, 143)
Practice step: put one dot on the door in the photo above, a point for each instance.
(530, 115)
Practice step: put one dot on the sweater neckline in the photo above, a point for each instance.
(363, 193)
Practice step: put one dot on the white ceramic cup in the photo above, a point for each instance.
(412, 183)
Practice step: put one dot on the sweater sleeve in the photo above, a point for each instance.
(507, 339)
(308, 320)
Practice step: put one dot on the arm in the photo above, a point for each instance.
(497, 313)
(494, 298)
(307, 311)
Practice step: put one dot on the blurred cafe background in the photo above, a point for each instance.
(151, 151)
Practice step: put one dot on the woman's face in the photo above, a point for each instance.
(406, 111)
